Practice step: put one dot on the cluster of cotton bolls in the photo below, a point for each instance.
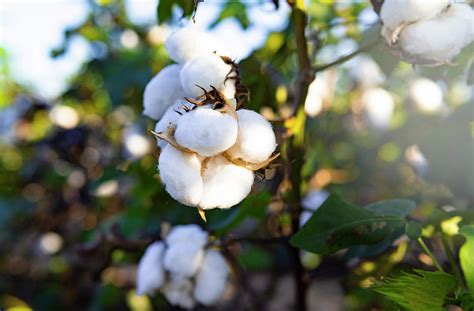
(183, 269)
(427, 32)
(210, 149)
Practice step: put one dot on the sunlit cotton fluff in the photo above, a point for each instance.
(189, 43)
(437, 41)
(256, 140)
(378, 107)
(162, 91)
(366, 73)
(171, 116)
(181, 174)
(426, 95)
(150, 273)
(318, 92)
(178, 292)
(204, 71)
(206, 131)
(311, 202)
(64, 116)
(225, 184)
(211, 279)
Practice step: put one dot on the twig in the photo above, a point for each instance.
(430, 254)
(452, 262)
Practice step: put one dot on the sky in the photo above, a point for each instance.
(30, 29)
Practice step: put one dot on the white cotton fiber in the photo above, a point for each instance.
(204, 71)
(378, 107)
(256, 140)
(225, 184)
(426, 95)
(438, 40)
(188, 43)
(206, 131)
(211, 279)
(150, 273)
(162, 91)
(187, 234)
(229, 89)
(171, 115)
(178, 292)
(181, 174)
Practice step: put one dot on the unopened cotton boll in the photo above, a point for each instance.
(150, 273)
(171, 115)
(211, 279)
(206, 131)
(189, 43)
(437, 41)
(204, 71)
(378, 108)
(181, 174)
(256, 140)
(426, 95)
(178, 292)
(225, 184)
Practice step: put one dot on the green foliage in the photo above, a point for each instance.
(413, 230)
(466, 255)
(337, 225)
(235, 9)
(417, 292)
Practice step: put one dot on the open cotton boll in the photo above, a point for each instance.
(206, 131)
(437, 41)
(150, 273)
(186, 44)
(204, 71)
(398, 13)
(187, 234)
(256, 140)
(229, 89)
(183, 259)
(426, 95)
(171, 115)
(378, 107)
(211, 279)
(225, 184)
(162, 91)
(181, 174)
(178, 292)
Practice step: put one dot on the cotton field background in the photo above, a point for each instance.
(237, 155)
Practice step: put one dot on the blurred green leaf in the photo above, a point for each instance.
(234, 9)
(255, 258)
(466, 255)
(413, 230)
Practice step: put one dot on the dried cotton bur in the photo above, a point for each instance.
(210, 147)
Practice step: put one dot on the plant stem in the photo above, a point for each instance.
(452, 262)
(428, 252)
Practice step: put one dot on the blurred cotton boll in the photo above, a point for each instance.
(129, 39)
(64, 116)
(211, 279)
(426, 95)
(150, 273)
(378, 106)
(50, 243)
(158, 34)
(317, 93)
(107, 188)
(365, 72)
(136, 144)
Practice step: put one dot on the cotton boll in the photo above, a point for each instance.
(378, 108)
(204, 71)
(178, 292)
(229, 89)
(311, 202)
(171, 115)
(187, 234)
(211, 279)
(206, 131)
(150, 273)
(437, 41)
(318, 91)
(426, 95)
(189, 43)
(181, 174)
(162, 91)
(256, 140)
(225, 184)
(365, 72)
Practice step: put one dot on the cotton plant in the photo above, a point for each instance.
(184, 269)
(210, 146)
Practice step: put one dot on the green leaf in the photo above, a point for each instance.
(413, 230)
(466, 255)
(164, 11)
(417, 292)
(337, 225)
(234, 9)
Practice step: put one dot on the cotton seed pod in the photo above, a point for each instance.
(396, 14)
(181, 174)
(225, 184)
(426, 95)
(178, 292)
(189, 43)
(256, 140)
(211, 279)
(171, 115)
(437, 41)
(206, 131)
(378, 107)
(150, 273)
(162, 91)
(204, 71)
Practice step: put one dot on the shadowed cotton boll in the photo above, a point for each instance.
(365, 72)
(189, 43)
(162, 91)
(256, 140)
(426, 95)
(171, 115)
(150, 274)
(178, 292)
(181, 174)
(211, 279)
(311, 202)
(225, 184)
(396, 14)
(437, 41)
(206, 131)
(378, 107)
(204, 71)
